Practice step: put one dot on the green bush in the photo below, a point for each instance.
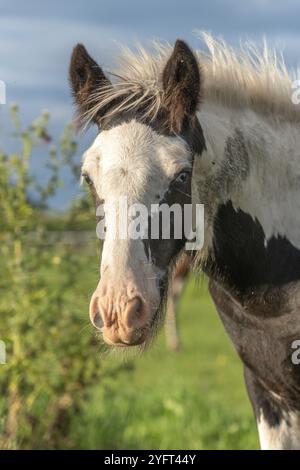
(51, 358)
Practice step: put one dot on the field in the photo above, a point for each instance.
(193, 399)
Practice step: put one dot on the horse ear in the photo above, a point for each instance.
(86, 77)
(182, 86)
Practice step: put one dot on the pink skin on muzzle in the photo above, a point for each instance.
(121, 312)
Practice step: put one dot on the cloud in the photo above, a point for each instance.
(35, 54)
(36, 38)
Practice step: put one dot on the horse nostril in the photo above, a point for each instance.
(134, 315)
(97, 321)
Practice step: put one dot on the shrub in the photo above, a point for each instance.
(50, 361)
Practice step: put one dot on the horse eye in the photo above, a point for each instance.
(87, 179)
(182, 177)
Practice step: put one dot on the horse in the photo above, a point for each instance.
(215, 127)
(177, 282)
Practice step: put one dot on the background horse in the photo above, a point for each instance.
(177, 281)
(218, 129)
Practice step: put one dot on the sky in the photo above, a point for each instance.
(37, 37)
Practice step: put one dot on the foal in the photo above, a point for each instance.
(218, 129)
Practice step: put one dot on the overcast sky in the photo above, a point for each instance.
(36, 38)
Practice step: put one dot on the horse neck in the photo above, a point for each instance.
(250, 170)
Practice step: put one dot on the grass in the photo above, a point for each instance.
(194, 399)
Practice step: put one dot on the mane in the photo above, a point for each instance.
(249, 77)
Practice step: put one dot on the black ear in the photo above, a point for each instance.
(182, 86)
(86, 77)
